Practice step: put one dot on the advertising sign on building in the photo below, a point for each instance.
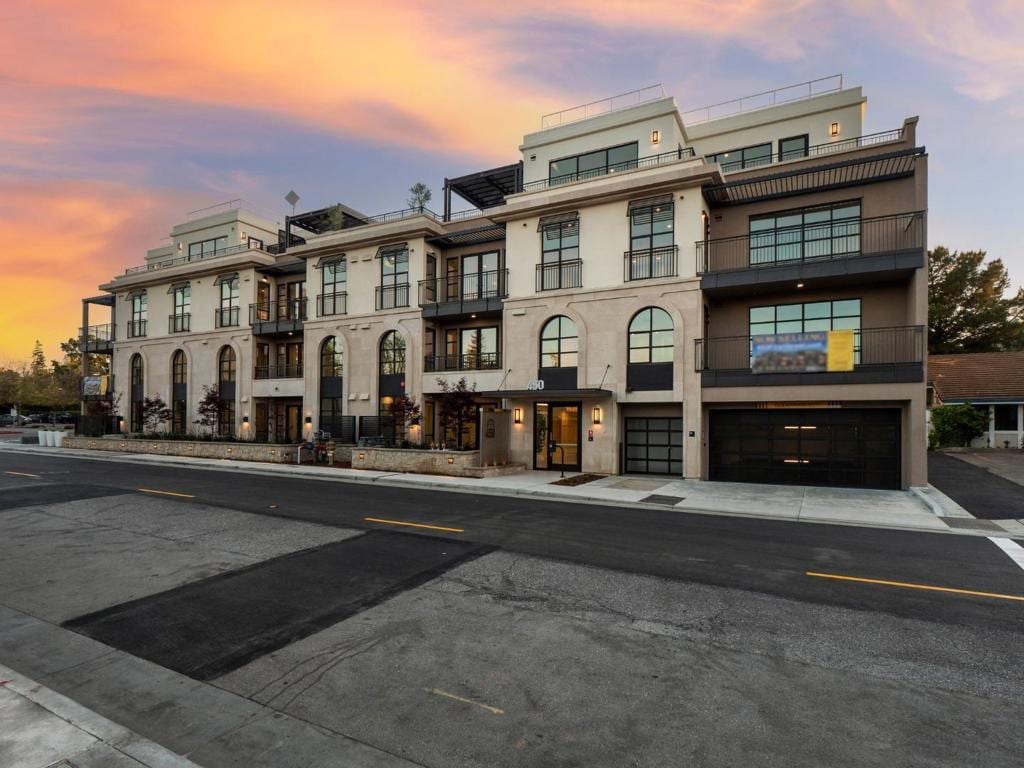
(808, 352)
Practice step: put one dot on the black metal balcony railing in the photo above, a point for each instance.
(328, 304)
(872, 346)
(277, 316)
(560, 274)
(683, 153)
(136, 329)
(175, 261)
(97, 332)
(226, 317)
(278, 372)
(179, 323)
(651, 263)
(472, 286)
(471, 361)
(815, 150)
(902, 232)
(392, 296)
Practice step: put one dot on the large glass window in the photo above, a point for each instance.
(596, 163)
(793, 147)
(394, 279)
(650, 336)
(291, 300)
(331, 364)
(182, 300)
(559, 345)
(392, 354)
(227, 363)
(179, 368)
(207, 247)
(824, 231)
(179, 380)
(137, 393)
(1005, 417)
(480, 275)
(479, 348)
(560, 253)
(651, 226)
(140, 303)
(837, 315)
(137, 370)
(744, 157)
(334, 277)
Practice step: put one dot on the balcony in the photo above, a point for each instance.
(815, 150)
(96, 338)
(226, 317)
(480, 361)
(882, 356)
(179, 260)
(883, 247)
(179, 323)
(136, 329)
(262, 372)
(392, 296)
(277, 317)
(471, 293)
(675, 156)
(651, 263)
(560, 274)
(329, 304)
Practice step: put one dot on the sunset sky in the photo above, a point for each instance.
(118, 117)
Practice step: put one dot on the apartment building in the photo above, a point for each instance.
(732, 293)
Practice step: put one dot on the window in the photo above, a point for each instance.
(228, 310)
(331, 366)
(137, 325)
(392, 354)
(596, 163)
(813, 316)
(179, 368)
(289, 359)
(558, 343)
(137, 394)
(255, 242)
(479, 348)
(744, 157)
(206, 248)
(394, 279)
(1005, 418)
(793, 147)
(480, 275)
(226, 418)
(650, 337)
(137, 370)
(182, 300)
(334, 277)
(227, 364)
(824, 231)
(291, 300)
(650, 227)
(560, 256)
(179, 380)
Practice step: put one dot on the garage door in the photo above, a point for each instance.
(654, 446)
(838, 447)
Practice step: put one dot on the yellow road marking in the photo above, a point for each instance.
(167, 493)
(413, 525)
(908, 585)
(24, 474)
(453, 697)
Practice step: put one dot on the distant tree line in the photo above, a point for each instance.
(41, 385)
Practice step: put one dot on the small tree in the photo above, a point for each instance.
(404, 412)
(154, 413)
(456, 407)
(957, 425)
(208, 408)
(419, 196)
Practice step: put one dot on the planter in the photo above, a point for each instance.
(58, 438)
(455, 463)
(46, 438)
(202, 449)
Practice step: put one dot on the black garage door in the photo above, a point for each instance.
(654, 446)
(840, 447)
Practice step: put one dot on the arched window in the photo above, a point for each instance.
(137, 393)
(392, 354)
(559, 344)
(137, 372)
(331, 363)
(227, 363)
(179, 368)
(179, 392)
(650, 336)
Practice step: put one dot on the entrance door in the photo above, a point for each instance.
(287, 422)
(557, 437)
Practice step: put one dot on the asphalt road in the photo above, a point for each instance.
(771, 557)
(982, 493)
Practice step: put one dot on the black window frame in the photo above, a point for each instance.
(601, 169)
(336, 369)
(392, 355)
(394, 279)
(227, 364)
(560, 340)
(789, 154)
(811, 238)
(647, 337)
(203, 251)
(654, 213)
(743, 162)
(182, 300)
(759, 328)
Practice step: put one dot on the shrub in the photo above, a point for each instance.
(957, 425)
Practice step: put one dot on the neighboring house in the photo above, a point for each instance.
(730, 293)
(992, 381)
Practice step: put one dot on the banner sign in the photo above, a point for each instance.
(808, 352)
(94, 386)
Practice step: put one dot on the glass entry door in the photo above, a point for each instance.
(557, 436)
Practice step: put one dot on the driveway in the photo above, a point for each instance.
(980, 491)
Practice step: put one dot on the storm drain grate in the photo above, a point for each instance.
(668, 501)
(966, 522)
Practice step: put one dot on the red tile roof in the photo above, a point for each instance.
(978, 376)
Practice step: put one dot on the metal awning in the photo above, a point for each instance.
(557, 218)
(484, 189)
(288, 268)
(391, 250)
(548, 394)
(331, 258)
(648, 202)
(816, 178)
(175, 286)
(320, 221)
(472, 236)
(226, 278)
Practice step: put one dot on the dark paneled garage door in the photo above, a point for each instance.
(840, 447)
(654, 446)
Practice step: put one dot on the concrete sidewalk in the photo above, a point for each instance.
(922, 509)
(42, 729)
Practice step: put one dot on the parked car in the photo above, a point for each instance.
(8, 420)
(65, 417)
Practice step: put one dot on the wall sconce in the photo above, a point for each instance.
(245, 420)
(655, 136)
(309, 420)
(596, 415)
(362, 455)
(517, 415)
(833, 130)
(451, 459)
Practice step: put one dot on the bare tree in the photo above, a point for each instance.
(419, 196)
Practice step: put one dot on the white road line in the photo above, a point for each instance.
(1014, 550)
(453, 697)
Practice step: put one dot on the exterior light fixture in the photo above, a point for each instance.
(362, 455)
(517, 415)
(451, 459)
(596, 415)
(655, 136)
(799, 285)
(309, 419)
(833, 130)
(245, 419)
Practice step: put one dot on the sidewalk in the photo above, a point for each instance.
(921, 509)
(43, 729)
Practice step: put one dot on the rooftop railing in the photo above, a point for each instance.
(815, 150)
(603, 106)
(764, 100)
(178, 260)
(682, 153)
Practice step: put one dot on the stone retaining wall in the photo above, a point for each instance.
(456, 463)
(278, 454)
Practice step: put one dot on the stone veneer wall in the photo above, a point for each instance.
(463, 463)
(279, 454)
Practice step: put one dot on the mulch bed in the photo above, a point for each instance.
(578, 479)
